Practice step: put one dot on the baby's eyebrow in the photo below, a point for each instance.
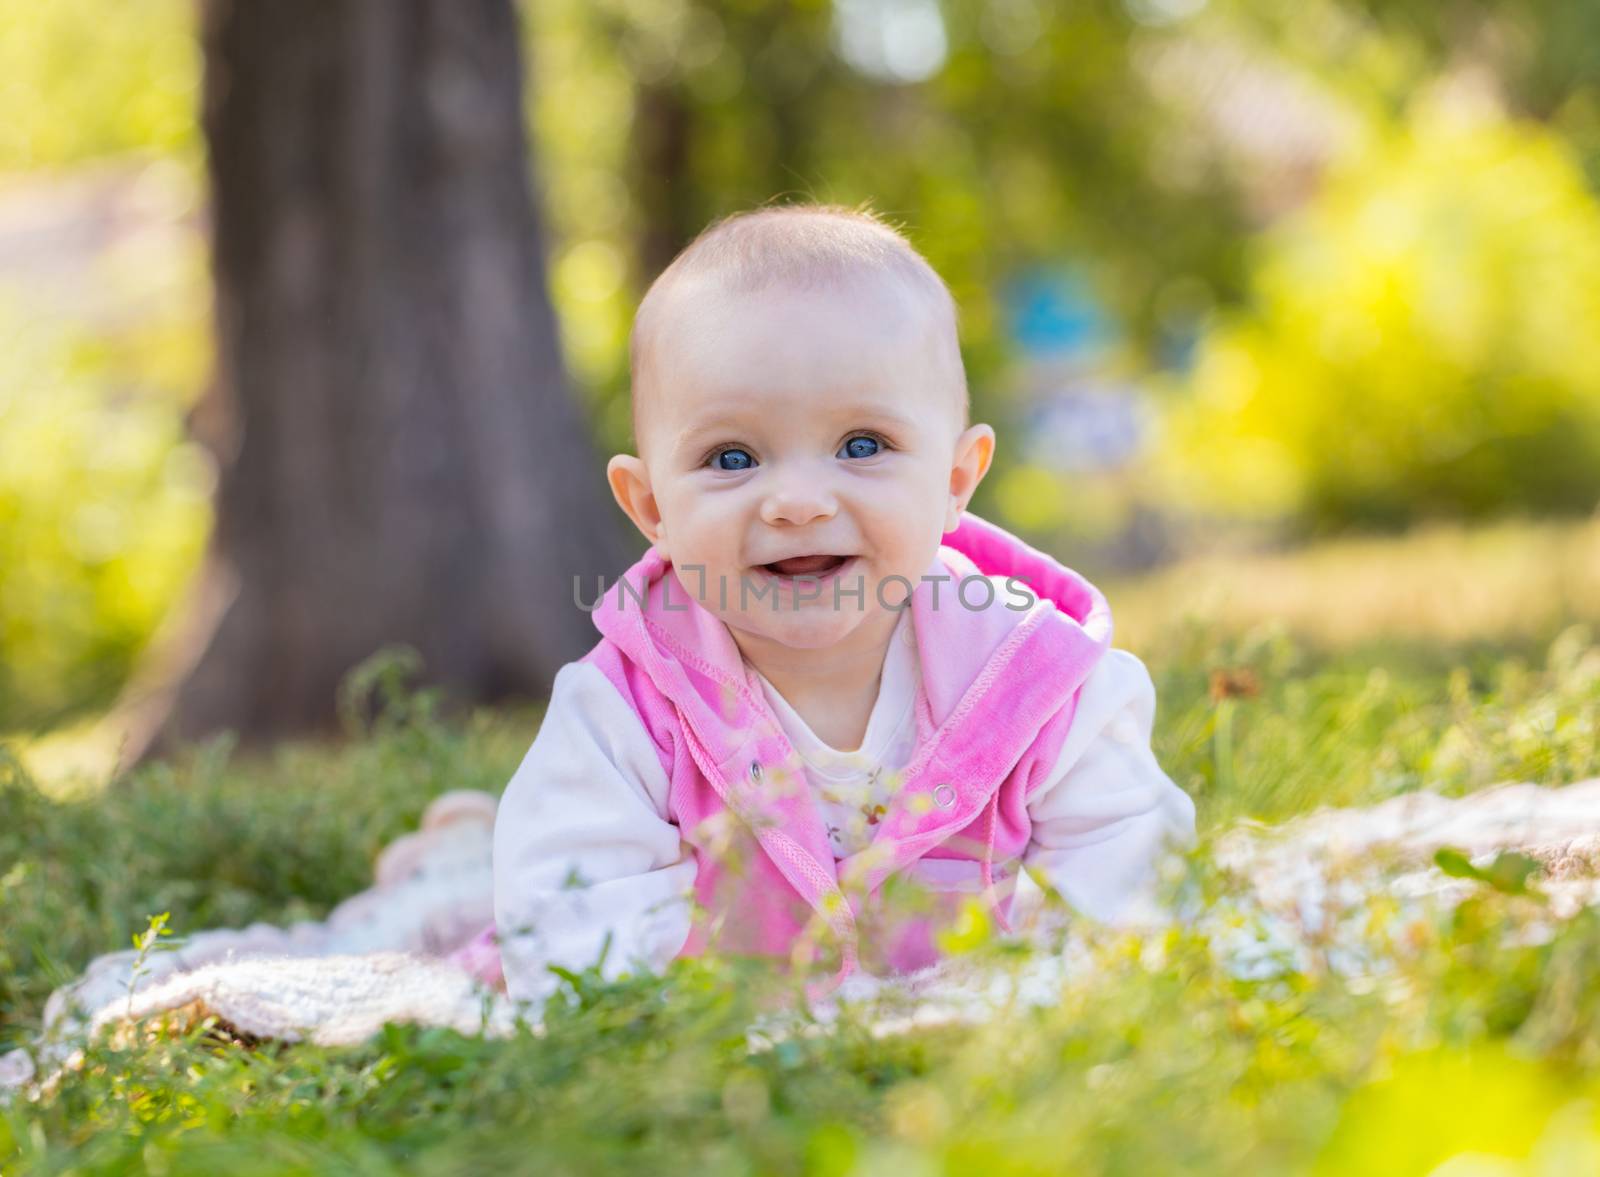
(873, 415)
(694, 434)
(736, 420)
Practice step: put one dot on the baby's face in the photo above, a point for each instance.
(792, 424)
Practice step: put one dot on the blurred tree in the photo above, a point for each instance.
(401, 459)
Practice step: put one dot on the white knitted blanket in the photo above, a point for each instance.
(380, 956)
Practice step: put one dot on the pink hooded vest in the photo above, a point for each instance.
(1002, 665)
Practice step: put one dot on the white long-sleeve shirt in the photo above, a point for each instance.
(585, 854)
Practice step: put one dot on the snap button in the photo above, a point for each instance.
(755, 770)
(944, 796)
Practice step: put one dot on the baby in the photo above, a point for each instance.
(829, 707)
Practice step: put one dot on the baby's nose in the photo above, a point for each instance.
(798, 499)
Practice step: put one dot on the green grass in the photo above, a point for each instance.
(1480, 1041)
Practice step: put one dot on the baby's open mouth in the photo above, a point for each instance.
(805, 565)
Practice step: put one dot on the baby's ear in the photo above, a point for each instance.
(630, 486)
(974, 453)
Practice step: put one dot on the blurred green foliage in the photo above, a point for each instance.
(1538, 60)
(1416, 342)
(1039, 138)
(81, 79)
(104, 502)
(104, 506)
(1401, 336)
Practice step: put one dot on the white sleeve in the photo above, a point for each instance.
(583, 847)
(1108, 814)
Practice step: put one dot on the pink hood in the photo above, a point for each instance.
(692, 658)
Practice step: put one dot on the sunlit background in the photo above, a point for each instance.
(1286, 317)
(1234, 277)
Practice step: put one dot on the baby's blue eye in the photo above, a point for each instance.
(740, 459)
(854, 447)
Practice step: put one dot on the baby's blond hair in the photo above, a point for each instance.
(800, 246)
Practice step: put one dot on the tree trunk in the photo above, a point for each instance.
(662, 185)
(404, 462)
